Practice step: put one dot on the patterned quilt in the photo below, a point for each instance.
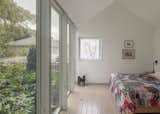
(135, 90)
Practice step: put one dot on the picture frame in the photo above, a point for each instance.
(128, 53)
(128, 44)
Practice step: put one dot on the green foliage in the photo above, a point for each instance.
(13, 13)
(3, 47)
(31, 60)
(24, 52)
(17, 85)
(55, 75)
(11, 18)
(17, 51)
(17, 90)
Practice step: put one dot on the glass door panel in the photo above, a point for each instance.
(17, 56)
(55, 58)
(68, 59)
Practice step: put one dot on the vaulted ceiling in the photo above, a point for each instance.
(81, 11)
(148, 10)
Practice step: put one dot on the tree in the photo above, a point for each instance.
(17, 85)
(12, 17)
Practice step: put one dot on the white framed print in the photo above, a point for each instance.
(128, 44)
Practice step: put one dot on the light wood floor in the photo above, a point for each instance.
(92, 99)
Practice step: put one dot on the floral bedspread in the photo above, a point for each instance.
(135, 90)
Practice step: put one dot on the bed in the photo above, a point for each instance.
(135, 93)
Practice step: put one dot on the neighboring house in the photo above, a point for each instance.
(22, 46)
(14, 60)
(19, 50)
(25, 42)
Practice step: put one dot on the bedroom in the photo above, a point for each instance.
(79, 56)
(114, 22)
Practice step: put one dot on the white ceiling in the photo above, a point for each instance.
(148, 10)
(80, 11)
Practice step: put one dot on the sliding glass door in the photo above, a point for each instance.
(17, 56)
(68, 60)
(70, 57)
(55, 59)
(61, 72)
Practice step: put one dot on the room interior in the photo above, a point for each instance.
(79, 56)
(114, 22)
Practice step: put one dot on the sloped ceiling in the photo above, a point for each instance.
(148, 10)
(81, 11)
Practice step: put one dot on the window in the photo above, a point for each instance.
(68, 57)
(68, 42)
(55, 58)
(18, 57)
(90, 49)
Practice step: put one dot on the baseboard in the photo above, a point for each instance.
(90, 83)
(93, 83)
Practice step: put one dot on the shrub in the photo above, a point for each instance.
(17, 90)
(31, 60)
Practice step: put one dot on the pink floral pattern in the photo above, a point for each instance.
(135, 90)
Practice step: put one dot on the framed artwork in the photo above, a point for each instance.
(128, 53)
(128, 44)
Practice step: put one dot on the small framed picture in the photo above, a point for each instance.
(128, 53)
(128, 44)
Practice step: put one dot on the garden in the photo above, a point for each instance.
(18, 86)
(17, 79)
(17, 89)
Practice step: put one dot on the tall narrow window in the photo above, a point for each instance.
(17, 56)
(90, 49)
(68, 59)
(68, 42)
(55, 58)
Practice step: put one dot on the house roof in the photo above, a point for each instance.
(30, 41)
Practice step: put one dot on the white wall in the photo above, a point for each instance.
(157, 48)
(114, 25)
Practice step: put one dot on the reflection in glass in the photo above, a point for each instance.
(68, 59)
(55, 59)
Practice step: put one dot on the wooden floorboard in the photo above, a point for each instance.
(91, 99)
